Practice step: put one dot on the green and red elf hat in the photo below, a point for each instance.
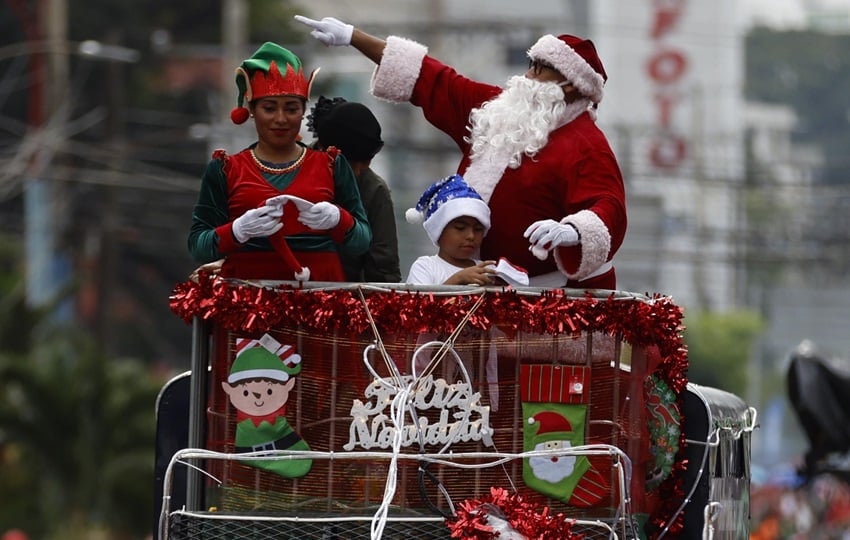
(264, 358)
(270, 71)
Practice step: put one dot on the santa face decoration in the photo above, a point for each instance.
(552, 469)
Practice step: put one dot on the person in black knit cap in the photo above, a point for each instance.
(353, 129)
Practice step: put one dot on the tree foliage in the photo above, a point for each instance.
(719, 348)
(188, 22)
(810, 71)
(76, 430)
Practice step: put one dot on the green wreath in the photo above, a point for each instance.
(665, 427)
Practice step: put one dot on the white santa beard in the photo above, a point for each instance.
(552, 469)
(519, 119)
(514, 124)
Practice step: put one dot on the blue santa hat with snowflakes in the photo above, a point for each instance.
(444, 201)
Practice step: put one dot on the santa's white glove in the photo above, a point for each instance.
(547, 234)
(321, 216)
(257, 222)
(330, 31)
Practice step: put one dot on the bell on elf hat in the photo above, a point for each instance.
(574, 58)
(443, 201)
(270, 71)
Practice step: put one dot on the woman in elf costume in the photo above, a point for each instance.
(277, 210)
(258, 386)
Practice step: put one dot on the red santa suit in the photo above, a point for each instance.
(574, 179)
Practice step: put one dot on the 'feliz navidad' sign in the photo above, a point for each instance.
(461, 415)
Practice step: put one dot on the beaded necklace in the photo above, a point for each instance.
(282, 170)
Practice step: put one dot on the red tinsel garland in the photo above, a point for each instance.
(249, 308)
(474, 519)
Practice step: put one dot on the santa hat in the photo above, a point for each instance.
(575, 59)
(270, 71)
(263, 358)
(550, 422)
(444, 201)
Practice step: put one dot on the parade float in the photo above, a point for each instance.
(367, 411)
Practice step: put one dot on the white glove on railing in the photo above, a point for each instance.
(257, 222)
(546, 234)
(330, 31)
(321, 216)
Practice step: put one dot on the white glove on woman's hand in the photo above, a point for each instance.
(277, 201)
(546, 234)
(330, 31)
(262, 221)
(321, 216)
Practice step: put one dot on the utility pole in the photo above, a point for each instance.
(234, 40)
(110, 225)
(234, 37)
(705, 239)
(43, 200)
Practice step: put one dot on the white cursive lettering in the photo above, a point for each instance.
(461, 416)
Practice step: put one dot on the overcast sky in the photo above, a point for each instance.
(791, 13)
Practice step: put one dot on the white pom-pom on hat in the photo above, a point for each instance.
(414, 216)
(303, 274)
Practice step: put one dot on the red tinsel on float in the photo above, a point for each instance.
(656, 322)
(501, 511)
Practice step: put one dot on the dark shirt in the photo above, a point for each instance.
(380, 264)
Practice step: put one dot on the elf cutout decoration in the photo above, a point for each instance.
(554, 407)
(259, 384)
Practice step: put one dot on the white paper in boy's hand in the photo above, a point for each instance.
(511, 273)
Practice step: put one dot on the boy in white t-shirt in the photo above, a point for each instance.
(456, 220)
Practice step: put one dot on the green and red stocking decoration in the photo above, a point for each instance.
(554, 409)
(260, 380)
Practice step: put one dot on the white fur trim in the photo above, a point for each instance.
(273, 374)
(570, 64)
(595, 243)
(485, 172)
(455, 208)
(303, 275)
(396, 75)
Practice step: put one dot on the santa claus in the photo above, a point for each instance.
(532, 149)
